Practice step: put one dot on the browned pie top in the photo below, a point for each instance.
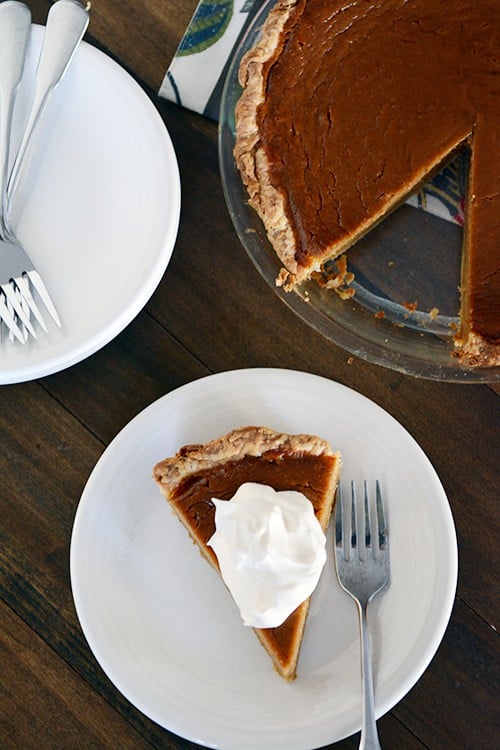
(349, 106)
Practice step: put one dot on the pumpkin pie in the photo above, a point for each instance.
(197, 473)
(348, 108)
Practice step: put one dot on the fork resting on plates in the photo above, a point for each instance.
(66, 23)
(362, 563)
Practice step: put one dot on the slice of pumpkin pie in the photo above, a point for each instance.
(253, 492)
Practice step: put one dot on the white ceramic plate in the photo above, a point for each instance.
(98, 209)
(163, 626)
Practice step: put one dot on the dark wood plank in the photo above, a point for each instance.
(55, 707)
(455, 703)
(44, 468)
(143, 36)
(39, 10)
(108, 389)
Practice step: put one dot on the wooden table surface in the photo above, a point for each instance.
(206, 317)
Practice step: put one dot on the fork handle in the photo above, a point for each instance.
(15, 28)
(369, 735)
(67, 22)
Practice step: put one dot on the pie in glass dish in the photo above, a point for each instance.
(348, 108)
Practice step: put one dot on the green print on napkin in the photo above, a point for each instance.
(208, 25)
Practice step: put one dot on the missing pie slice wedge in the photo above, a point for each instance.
(197, 473)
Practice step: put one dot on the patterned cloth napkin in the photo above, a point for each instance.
(196, 76)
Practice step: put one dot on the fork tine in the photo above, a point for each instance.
(26, 309)
(368, 515)
(339, 518)
(24, 286)
(37, 282)
(383, 536)
(23, 329)
(10, 293)
(353, 531)
(9, 320)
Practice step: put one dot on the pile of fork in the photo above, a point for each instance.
(20, 283)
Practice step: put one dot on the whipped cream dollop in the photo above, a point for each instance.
(271, 550)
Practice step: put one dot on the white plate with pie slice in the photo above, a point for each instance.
(97, 209)
(165, 629)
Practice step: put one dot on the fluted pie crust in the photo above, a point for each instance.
(197, 473)
(348, 108)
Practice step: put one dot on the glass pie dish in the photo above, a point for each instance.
(405, 309)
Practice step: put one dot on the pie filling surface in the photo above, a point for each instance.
(347, 108)
(199, 473)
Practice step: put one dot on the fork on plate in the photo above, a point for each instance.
(362, 564)
(66, 23)
(15, 29)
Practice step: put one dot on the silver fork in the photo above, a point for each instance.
(66, 24)
(15, 29)
(362, 563)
